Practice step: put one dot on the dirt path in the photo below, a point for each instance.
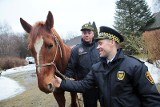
(32, 97)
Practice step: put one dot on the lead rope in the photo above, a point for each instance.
(58, 45)
(58, 72)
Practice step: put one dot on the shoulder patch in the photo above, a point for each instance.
(149, 77)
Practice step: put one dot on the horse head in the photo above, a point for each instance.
(48, 50)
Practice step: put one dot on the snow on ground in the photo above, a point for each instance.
(9, 87)
(29, 67)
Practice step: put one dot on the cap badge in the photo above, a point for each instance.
(86, 25)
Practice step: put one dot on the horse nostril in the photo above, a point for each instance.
(50, 87)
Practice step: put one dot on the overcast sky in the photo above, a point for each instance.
(69, 15)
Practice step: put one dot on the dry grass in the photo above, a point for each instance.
(152, 43)
(10, 62)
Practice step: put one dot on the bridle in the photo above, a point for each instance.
(53, 62)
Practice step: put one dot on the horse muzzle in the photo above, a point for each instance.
(50, 87)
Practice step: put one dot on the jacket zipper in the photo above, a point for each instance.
(109, 90)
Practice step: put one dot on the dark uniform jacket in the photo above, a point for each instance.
(125, 82)
(83, 56)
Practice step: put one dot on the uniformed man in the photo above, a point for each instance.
(83, 56)
(123, 81)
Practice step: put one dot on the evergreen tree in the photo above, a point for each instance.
(130, 17)
(95, 30)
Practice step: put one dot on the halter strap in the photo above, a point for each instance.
(52, 63)
(58, 46)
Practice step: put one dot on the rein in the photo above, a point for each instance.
(52, 63)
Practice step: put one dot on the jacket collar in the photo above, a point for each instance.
(87, 44)
(119, 55)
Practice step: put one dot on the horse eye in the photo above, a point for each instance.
(50, 46)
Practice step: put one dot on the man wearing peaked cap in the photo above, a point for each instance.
(87, 26)
(123, 81)
(83, 56)
(109, 33)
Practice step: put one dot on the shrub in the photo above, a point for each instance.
(151, 45)
(132, 45)
(10, 62)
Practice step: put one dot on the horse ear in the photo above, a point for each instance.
(49, 22)
(26, 26)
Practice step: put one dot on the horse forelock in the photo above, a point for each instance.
(36, 32)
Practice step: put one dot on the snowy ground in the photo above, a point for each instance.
(10, 88)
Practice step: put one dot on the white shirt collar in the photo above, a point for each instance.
(110, 60)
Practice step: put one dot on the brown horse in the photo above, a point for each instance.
(50, 54)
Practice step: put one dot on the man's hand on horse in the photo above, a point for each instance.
(57, 81)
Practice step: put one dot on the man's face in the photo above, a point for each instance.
(87, 35)
(105, 47)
